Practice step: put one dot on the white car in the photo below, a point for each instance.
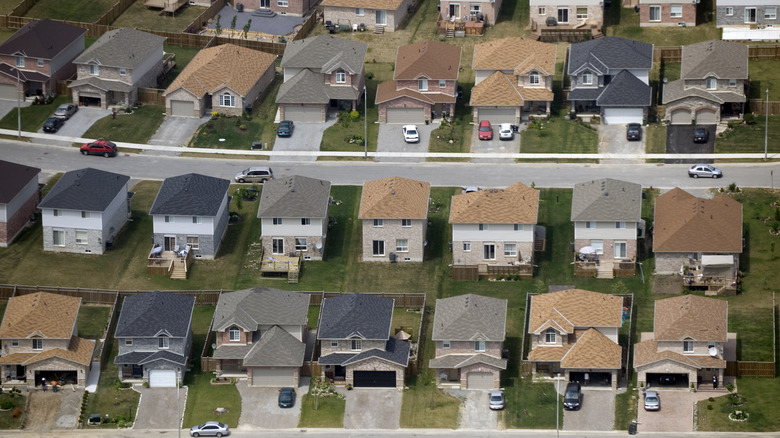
(505, 131)
(411, 135)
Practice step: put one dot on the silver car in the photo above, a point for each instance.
(496, 400)
(254, 175)
(210, 428)
(65, 110)
(652, 401)
(704, 170)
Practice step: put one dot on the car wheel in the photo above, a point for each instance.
(195, 434)
(695, 175)
(106, 154)
(219, 434)
(84, 152)
(241, 180)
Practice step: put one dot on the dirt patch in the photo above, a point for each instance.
(667, 284)
(42, 410)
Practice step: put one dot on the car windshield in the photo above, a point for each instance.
(411, 132)
(652, 399)
(572, 393)
(484, 128)
(633, 129)
(496, 397)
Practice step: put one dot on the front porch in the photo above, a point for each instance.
(173, 264)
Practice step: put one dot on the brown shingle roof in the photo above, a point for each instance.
(427, 59)
(572, 308)
(549, 354)
(517, 54)
(593, 350)
(79, 351)
(646, 352)
(502, 89)
(388, 5)
(685, 223)
(517, 204)
(691, 316)
(387, 91)
(395, 198)
(40, 314)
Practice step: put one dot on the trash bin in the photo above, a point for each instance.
(257, 145)
(240, 7)
(632, 429)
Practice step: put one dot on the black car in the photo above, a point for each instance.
(701, 135)
(667, 380)
(286, 397)
(285, 128)
(573, 396)
(53, 124)
(633, 132)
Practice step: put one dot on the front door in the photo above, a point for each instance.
(454, 10)
(265, 4)
(381, 17)
(170, 243)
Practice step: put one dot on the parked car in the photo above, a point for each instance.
(704, 170)
(667, 380)
(100, 147)
(255, 174)
(285, 128)
(66, 110)
(210, 428)
(572, 398)
(701, 135)
(505, 131)
(652, 401)
(633, 132)
(485, 130)
(411, 134)
(53, 124)
(286, 397)
(496, 400)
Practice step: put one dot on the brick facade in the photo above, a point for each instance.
(18, 220)
(475, 255)
(666, 20)
(375, 365)
(609, 247)
(348, 15)
(489, 10)
(297, 8)
(141, 79)
(594, 20)
(389, 233)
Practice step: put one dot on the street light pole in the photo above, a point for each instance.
(178, 404)
(365, 122)
(18, 107)
(766, 123)
(557, 401)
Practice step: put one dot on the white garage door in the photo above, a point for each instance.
(276, 377)
(706, 117)
(622, 116)
(497, 115)
(8, 92)
(681, 117)
(480, 381)
(306, 114)
(405, 115)
(182, 108)
(162, 378)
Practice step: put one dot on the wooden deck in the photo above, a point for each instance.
(280, 266)
(460, 28)
(169, 263)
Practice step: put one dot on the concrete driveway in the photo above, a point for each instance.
(679, 140)
(177, 131)
(494, 146)
(475, 412)
(259, 406)
(612, 140)
(676, 413)
(157, 408)
(47, 410)
(79, 122)
(597, 411)
(391, 140)
(6, 106)
(372, 408)
(306, 137)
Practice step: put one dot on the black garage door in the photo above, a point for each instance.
(594, 378)
(374, 379)
(655, 380)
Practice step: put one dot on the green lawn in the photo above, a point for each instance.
(322, 411)
(93, 321)
(763, 75)
(135, 127)
(624, 22)
(141, 17)
(745, 138)
(760, 402)
(85, 11)
(425, 406)
(120, 404)
(408, 319)
(559, 135)
(32, 116)
(183, 57)
(7, 419)
(531, 405)
(655, 138)
(459, 131)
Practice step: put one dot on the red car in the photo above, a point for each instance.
(485, 131)
(99, 147)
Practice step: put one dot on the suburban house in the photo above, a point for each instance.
(38, 55)
(85, 211)
(154, 335)
(424, 84)
(667, 13)
(494, 231)
(741, 20)
(191, 212)
(700, 239)
(261, 335)
(356, 343)
(321, 73)
(513, 80)
(713, 84)
(607, 217)
(485, 11)
(40, 342)
(293, 214)
(554, 20)
(19, 198)
(574, 333)
(610, 79)
(394, 212)
(469, 332)
(296, 8)
(379, 16)
(112, 69)
(205, 84)
(689, 343)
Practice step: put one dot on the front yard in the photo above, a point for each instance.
(32, 116)
(137, 126)
(558, 135)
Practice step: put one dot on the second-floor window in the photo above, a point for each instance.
(235, 334)
(379, 222)
(406, 222)
(94, 69)
(37, 344)
(712, 83)
(305, 221)
(484, 227)
(549, 336)
(56, 213)
(590, 224)
(479, 345)
(675, 11)
(442, 83)
(14, 342)
(128, 341)
(85, 214)
(446, 344)
(587, 78)
(122, 72)
(197, 220)
(341, 77)
(422, 84)
(20, 61)
(688, 346)
(534, 78)
(518, 227)
(357, 345)
(620, 225)
(163, 343)
(227, 99)
(40, 62)
(732, 82)
(277, 221)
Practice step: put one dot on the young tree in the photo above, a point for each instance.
(233, 23)
(218, 26)
(247, 26)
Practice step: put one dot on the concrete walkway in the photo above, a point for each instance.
(93, 377)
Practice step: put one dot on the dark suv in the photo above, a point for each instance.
(572, 398)
(701, 135)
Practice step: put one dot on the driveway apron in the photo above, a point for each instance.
(306, 137)
(260, 406)
(679, 140)
(391, 140)
(78, 123)
(157, 408)
(177, 131)
(373, 408)
(612, 140)
(494, 146)
(597, 411)
(676, 413)
(475, 413)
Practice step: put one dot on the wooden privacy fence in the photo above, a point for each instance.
(759, 106)
(750, 369)
(755, 53)
(151, 96)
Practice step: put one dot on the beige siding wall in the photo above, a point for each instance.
(492, 348)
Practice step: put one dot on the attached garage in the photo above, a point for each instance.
(480, 380)
(274, 377)
(681, 116)
(182, 108)
(706, 117)
(8, 92)
(304, 114)
(669, 380)
(623, 116)
(497, 115)
(162, 378)
(374, 379)
(406, 115)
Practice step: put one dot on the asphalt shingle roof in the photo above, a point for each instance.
(647, 352)
(42, 314)
(610, 53)
(362, 315)
(310, 87)
(147, 314)
(470, 317)
(520, 55)
(13, 178)
(395, 198)
(574, 308)
(691, 316)
(251, 308)
(123, 47)
(396, 351)
(102, 84)
(324, 54)
(457, 361)
(593, 350)
(41, 39)
(276, 348)
(190, 194)
(722, 59)
(625, 89)
(517, 204)
(166, 355)
(606, 199)
(85, 189)
(427, 59)
(295, 196)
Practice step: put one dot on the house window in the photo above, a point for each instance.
(467, 246)
(598, 245)
(732, 82)
(227, 99)
(341, 77)
(590, 224)
(40, 62)
(675, 11)
(422, 84)
(730, 10)
(300, 244)
(81, 237)
(197, 220)
(193, 242)
(621, 250)
(14, 342)
(56, 213)
(484, 227)
(379, 222)
(489, 251)
(58, 237)
(94, 69)
(128, 341)
(360, 12)
(277, 221)
(582, 12)
(655, 13)
(442, 83)
(381, 17)
(277, 245)
(549, 336)
(519, 227)
(587, 78)
(168, 219)
(446, 344)
(542, 11)
(334, 343)
(770, 13)
(620, 225)
(85, 215)
(688, 346)
(474, 9)
(305, 221)
(356, 345)
(750, 15)
(20, 61)
(37, 344)
(406, 222)
(510, 249)
(163, 343)
(479, 345)
(282, 3)
(378, 247)
(712, 83)
(534, 78)
(563, 15)
(402, 245)
(122, 71)
(234, 334)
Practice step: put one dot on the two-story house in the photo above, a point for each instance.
(84, 211)
(38, 55)
(321, 73)
(261, 335)
(552, 19)
(357, 348)
(19, 198)
(610, 78)
(493, 230)
(154, 337)
(513, 78)
(607, 218)
(574, 333)
(667, 13)
(713, 84)
(748, 20)
(469, 332)
(379, 16)
(293, 214)
(689, 344)
(424, 84)
(394, 212)
(700, 239)
(40, 341)
(191, 211)
(485, 11)
(112, 69)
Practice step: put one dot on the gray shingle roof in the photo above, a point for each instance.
(147, 314)
(250, 308)
(310, 87)
(102, 84)
(362, 315)
(469, 317)
(585, 93)
(722, 59)
(610, 53)
(606, 200)
(625, 89)
(463, 360)
(295, 196)
(677, 90)
(325, 53)
(190, 194)
(396, 351)
(13, 178)
(41, 39)
(146, 357)
(276, 348)
(124, 47)
(85, 189)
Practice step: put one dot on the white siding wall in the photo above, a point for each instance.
(8, 210)
(610, 332)
(183, 225)
(497, 232)
(605, 230)
(72, 219)
(295, 330)
(293, 227)
(289, 72)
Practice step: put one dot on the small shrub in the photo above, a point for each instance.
(6, 403)
(709, 407)
(369, 75)
(282, 39)
(16, 412)
(712, 399)
(730, 387)
(354, 115)
(750, 119)
(214, 115)
(242, 127)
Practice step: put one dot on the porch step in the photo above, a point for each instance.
(450, 33)
(267, 13)
(379, 30)
(534, 37)
(605, 270)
